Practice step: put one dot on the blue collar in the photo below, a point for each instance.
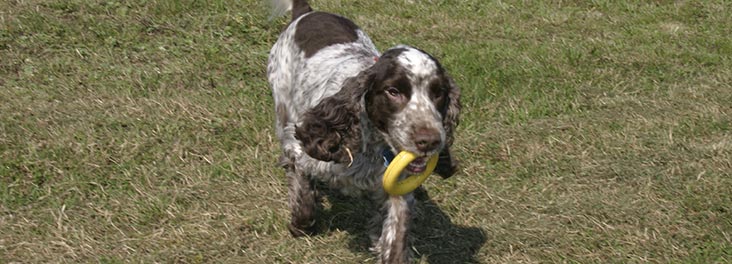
(388, 156)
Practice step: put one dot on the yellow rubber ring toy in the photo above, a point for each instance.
(391, 182)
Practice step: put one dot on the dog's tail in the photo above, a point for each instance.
(298, 7)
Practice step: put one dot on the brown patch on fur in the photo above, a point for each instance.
(319, 30)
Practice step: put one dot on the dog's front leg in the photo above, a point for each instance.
(302, 203)
(393, 245)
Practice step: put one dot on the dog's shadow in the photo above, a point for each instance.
(434, 237)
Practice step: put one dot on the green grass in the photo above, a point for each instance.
(592, 132)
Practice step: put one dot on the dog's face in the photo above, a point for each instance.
(409, 99)
(408, 102)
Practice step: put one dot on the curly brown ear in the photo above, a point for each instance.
(331, 131)
(446, 164)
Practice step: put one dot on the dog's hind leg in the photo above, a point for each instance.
(302, 203)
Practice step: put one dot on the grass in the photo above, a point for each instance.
(593, 132)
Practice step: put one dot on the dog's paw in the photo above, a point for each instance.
(298, 231)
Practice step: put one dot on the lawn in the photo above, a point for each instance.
(592, 132)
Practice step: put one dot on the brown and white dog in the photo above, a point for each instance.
(342, 108)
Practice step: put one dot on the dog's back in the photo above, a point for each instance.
(313, 56)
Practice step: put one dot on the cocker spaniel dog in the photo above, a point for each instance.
(342, 110)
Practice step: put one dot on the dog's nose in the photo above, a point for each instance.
(427, 139)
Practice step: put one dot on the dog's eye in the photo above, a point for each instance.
(393, 92)
(437, 92)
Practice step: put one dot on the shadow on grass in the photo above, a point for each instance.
(434, 237)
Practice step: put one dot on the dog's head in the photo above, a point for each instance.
(407, 96)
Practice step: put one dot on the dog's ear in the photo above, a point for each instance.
(447, 165)
(331, 131)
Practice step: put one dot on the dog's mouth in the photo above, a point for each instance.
(417, 166)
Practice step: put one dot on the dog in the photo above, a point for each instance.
(342, 109)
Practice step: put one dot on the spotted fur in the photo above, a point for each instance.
(340, 104)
